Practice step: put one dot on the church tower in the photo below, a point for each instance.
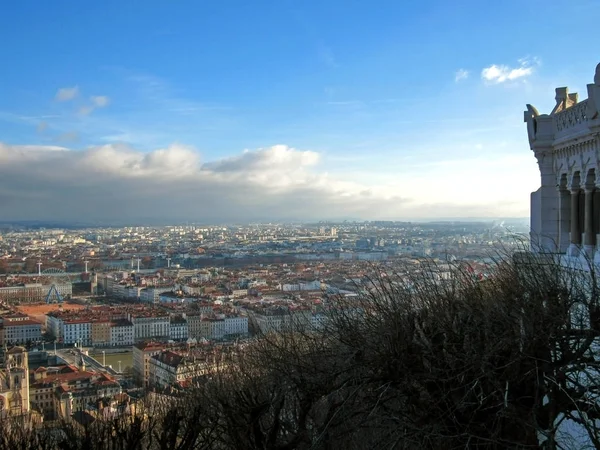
(14, 383)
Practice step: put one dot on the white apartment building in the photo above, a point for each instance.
(194, 322)
(211, 328)
(133, 292)
(301, 286)
(191, 289)
(150, 327)
(151, 294)
(19, 330)
(30, 292)
(34, 292)
(76, 332)
(219, 326)
(126, 291)
(54, 326)
(171, 297)
(121, 333)
(281, 319)
(178, 329)
(168, 368)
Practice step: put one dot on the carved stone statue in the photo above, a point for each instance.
(530, 118)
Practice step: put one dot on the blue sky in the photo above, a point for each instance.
(418, 101)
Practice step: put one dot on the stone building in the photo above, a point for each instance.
(148, 325)
(178, 367)
(59, 392)
(18, 329)
(14, 384)
(565, 210)
(565, 220)
(121, 333)
(142, 352)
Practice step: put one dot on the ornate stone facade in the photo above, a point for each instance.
(14, 384)
(565, 210)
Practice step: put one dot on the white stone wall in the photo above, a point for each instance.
(18, 333)
(150, 295)
(566, 145)
(150, 327)
(121, 335)
(178, 331)
(77, 332)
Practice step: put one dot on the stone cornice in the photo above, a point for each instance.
(571, 121)
(581, 137)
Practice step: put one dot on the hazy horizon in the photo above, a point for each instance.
(165, 223)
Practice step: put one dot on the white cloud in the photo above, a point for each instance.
(496, 74)
(461, 74)
(100, 101)
(9, 154)
(171, 184)
(16, 149)
(117, 184)
(97, 101)
(272, 159)
(85, 110)
(67, 93)
(176, 160)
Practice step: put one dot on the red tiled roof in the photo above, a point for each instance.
(21, 323)
(150, 346)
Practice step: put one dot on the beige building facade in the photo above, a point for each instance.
(101, 333)
(141, 360)
(14, 384)
(565, 210)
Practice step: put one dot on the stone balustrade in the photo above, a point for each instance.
(571, 117)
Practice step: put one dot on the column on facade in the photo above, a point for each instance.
(564, 212)
(575, 232)
(596, 212)
(575, 246)
(545, 225)
(589, 240)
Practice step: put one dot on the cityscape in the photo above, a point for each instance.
(299, 225)
(106, 312)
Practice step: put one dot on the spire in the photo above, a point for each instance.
(81, 362)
